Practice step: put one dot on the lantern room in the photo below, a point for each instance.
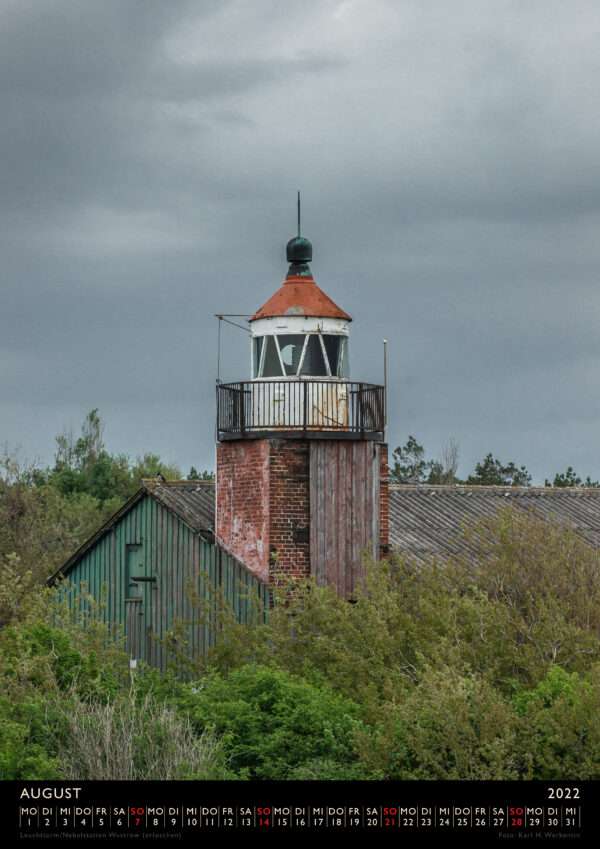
(300, 367)
(300, 348)
(300, 332)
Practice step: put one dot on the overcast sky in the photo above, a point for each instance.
(448, 158)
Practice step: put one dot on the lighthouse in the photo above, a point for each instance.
(301, 478)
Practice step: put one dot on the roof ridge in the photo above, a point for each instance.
(458, 487)
(151, 482)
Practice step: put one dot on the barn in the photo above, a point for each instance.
(154, 563)
(302, 490)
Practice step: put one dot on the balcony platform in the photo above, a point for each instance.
(275, 433)
(308, 408)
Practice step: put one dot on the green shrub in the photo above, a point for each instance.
(546, 581)
(29, 734)
(41, 655)
(559, 734)
(490, 617)
(275, 725)
(450, 726)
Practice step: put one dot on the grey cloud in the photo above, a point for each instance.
(149, 156)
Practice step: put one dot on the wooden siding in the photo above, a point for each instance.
(344, 511)
(181, 566)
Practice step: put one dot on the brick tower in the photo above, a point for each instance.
(301, 459)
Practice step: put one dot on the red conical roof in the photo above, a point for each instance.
(300, 295)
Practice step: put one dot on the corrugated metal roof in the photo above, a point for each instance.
(192, 501)
(427, 521)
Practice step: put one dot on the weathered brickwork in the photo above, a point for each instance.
(243, 502)
(384, 502)
(289, 537)
(263, 505)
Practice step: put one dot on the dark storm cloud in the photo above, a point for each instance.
(84, 87)
(448, 157)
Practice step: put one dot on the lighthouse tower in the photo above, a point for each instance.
(301, 459)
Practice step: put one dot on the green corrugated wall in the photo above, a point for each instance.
(178, 559)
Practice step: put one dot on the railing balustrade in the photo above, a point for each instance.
(248, 407)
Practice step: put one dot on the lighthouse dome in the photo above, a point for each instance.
(299, 250)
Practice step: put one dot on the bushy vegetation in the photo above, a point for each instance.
(277, 725)
(475, 669)
(482, 668)
(70, 708)
(478, 668)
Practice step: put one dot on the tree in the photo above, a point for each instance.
(443, 471)
(410, 465)
(84, 465)
(569, 479)
(86, 449)
(491, 472)
(47, 513)
(150, 466)
(195, 475)
(41, 525)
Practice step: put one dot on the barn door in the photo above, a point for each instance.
(135, 602)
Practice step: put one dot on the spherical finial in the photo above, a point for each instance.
(299, 250)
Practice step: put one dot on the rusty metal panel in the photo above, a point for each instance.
(304, 299)
(344, 511)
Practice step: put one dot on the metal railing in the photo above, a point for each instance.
(310, 405)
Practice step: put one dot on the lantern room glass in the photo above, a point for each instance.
(301, 354)
(271, 363)
(332, 348)
(313, 364)
(258, 343)
(290, 346)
